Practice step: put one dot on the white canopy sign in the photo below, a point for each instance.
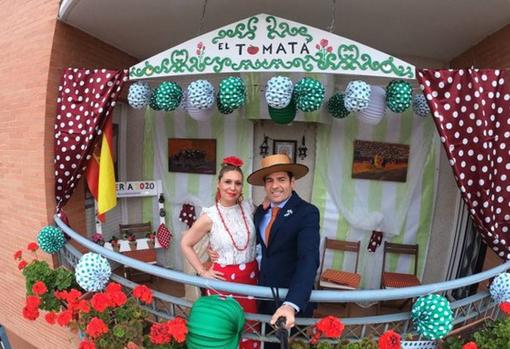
(269, 43)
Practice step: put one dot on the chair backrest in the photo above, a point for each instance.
(340, 245)
(138, 229)
(390, 247)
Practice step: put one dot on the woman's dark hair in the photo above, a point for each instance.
(227, 168)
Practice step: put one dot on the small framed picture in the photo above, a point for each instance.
(285, 147)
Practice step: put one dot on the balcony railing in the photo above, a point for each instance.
(166, 306)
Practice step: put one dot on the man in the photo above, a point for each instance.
(288, 232)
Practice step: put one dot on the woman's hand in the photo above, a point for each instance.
(212, 274)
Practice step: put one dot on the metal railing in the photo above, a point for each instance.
(166, 306)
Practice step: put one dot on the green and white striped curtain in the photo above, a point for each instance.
(352, 208)
(234, 136)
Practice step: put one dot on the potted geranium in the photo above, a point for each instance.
(114, 241)
(131, 238)
(151, 240)
(98, 239)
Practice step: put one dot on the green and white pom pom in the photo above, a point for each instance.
(221, 108)
(309, 94)
(232, 93)
(336, 106)
(168, 96)
(152, 101)
(420, 106)
(92, 272)
(200, 95)
(51, 239)
(357, 96)
(399, 95)
(278, 92)
(139, 94)
(432, 316)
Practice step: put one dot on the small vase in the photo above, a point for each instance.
(116, 246)
(132, 245)
(151, 243)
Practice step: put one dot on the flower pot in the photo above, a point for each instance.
(132, 245)
(151, 243)
(116, 246)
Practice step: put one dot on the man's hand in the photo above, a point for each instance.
(213, 255)
(286, 311)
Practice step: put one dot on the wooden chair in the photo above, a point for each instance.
(139, 230)
(339, 279)
(398, 280)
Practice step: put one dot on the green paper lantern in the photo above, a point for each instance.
(336, 106)
(215, 322)
(285, 115)
(221, 108)
(168, 96)
(309, 94)
(232, 93)
(51, 239)
(399, 95)
(432, 316)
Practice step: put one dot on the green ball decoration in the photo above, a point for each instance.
(168, 96)
(309, 94)
(336, 106)
(152, 101)
(285, 115)
(399, 95)
(51, 239)
(232, 93)
(223, 109)
(432, 316)
(215, 322)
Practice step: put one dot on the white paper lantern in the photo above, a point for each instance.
(199, 114)
(357, 96)
(278, 92)
(139, 94)
(374, 112)
(200, 94)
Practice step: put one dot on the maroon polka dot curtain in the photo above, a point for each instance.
(86, 100)
(471, 109)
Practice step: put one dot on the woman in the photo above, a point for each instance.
(231, 232)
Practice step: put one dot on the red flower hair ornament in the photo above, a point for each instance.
(233, 161)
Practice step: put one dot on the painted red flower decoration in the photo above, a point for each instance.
(505, 307)
(22, 265)
(389, 340)
(96, 328)
(39, 288)
(18, 254)
(470, 345)
(143, 293)
(324, 42)
(233, 160)
(32, 246)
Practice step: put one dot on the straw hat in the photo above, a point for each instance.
(276, 163)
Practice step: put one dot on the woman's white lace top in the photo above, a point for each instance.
(220, 240)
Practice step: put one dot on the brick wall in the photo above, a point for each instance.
(491, 52)
(35, 50)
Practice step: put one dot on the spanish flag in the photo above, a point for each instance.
(100, 174)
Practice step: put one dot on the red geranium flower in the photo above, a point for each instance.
(159, 334)
(470, 345)
(22, 265)
(30, 313)
(118, 298)
(32, 246)
(96, 328)
(73, 295)
(330, 327)
(33, 302)
(51, 317)
(113, 287)
(389, 340)
(18, 254)
(64, 318)
(505, 307)
(100, 301)
(177, 328)
(86, 344)
(143, 293)
(233, 160)
(39, 288)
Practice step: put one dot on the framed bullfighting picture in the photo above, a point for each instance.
(192, 155)
(380, 161)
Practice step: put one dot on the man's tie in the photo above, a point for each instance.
(274, 213)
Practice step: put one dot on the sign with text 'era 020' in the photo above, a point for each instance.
(268, 43)
(136, 189)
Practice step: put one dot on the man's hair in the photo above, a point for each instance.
(289, 173)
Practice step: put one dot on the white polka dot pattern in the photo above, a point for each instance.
(86, 99)
(500, 288)
(471, 109)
